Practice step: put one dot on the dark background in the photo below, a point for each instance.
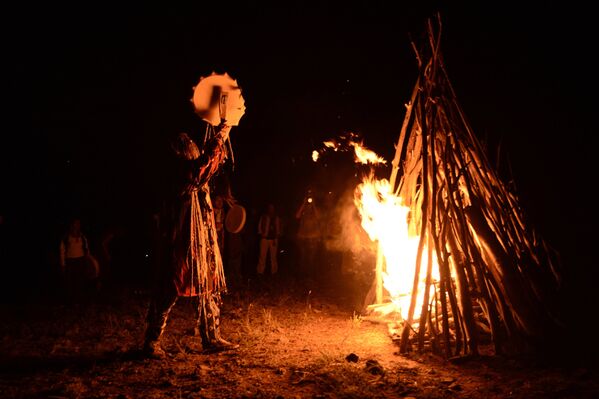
(91, 93)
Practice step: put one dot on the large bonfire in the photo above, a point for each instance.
(456, 261)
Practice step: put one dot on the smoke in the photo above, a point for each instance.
(347, 236)
(345, 161)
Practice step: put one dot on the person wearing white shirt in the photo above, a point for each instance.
(78, 269)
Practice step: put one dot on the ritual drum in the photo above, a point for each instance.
(235, 219)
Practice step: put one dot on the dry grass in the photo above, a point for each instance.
(294, 344)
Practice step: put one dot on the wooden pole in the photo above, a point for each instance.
(491, 265)
(395, 167)
(423, 228)
(402, 136)
(425, 301)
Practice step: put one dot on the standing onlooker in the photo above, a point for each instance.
(110, 254)
(234, 241)
(250, 244)
(269, 230)
(4, 259)
(309, 234)
(331, 240)
(3, 239)
(79, 268)
(233, 267)
(219, 222)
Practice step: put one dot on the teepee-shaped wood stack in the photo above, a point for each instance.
(496, 274)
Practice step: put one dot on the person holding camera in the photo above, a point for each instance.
(308, 234)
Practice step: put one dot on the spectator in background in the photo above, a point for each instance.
(109, 253)
(234, 228)
(3, 240)
(308, 234)
(269, 230)
(79, 268)
(249, 238)
(331, 239)
(219, 221)
(6, 285)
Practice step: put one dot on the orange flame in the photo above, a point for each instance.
(391, 224)
(386, 220)
(364, 155)
(361, 154)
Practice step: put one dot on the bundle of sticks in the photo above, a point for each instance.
(492, 266)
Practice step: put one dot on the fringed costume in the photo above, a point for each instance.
(190, 262)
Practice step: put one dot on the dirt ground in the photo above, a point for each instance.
(295, 342)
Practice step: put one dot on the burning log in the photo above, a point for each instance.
(477, 267)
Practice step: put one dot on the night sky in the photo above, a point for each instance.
(94, 92)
